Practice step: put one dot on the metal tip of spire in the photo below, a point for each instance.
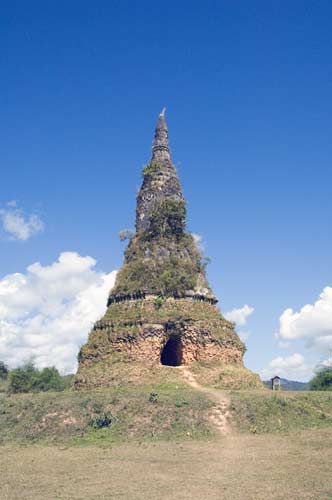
(163, 112)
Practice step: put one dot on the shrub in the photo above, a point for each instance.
(158, 301)
(168, 219)
(3, 371)
(322, 381)
(153, 398)
(167, 276)
(29, 379)
(99, 416)
(151, 169)
(104, 419)
(205, 261)
(126, 234)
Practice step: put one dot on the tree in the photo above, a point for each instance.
(29, 379)
(322, 381)
(3, 370)
(21, 379)
(49, 379)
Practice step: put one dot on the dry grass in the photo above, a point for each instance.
(176, 412)
(165, 449)
(225, 376)
(238, 467)
(280, 411)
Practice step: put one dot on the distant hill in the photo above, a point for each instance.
(289, 385)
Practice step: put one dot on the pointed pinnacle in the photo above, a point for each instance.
(160, 147)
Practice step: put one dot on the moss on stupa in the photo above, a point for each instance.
(161, 309)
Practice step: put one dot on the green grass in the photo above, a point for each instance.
(162, 260)
(264, 412)
(181, 309)
(164, 408)
(225, 376)
(163, 447)
(73, 416)
(3, 385)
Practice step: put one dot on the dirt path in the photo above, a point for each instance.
(220, 414)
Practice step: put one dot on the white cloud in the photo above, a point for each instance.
(293, 367)
(198, 239)
(12, 203)
(18, 225)
(244, 335)
(284, 345)
(312, 323)
(239, 316)
(48, 311)
(325, 363)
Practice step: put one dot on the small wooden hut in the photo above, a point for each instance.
(276, 383)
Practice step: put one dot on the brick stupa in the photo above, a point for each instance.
(161, 310)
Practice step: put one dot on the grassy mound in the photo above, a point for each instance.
(271, 412)
(117, 372)
(162, 409)
(225, 376)
(139, 413)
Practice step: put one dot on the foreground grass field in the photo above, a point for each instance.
(161, 440)
(158, 412)
(237, 467)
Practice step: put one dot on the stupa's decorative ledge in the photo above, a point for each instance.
(142, 295)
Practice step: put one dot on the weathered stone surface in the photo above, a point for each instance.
(161, 309)
(138, 338)
(160, 180)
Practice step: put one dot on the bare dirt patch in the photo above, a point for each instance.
(238, 467)
(219, 415)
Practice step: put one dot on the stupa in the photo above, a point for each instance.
(161, 309)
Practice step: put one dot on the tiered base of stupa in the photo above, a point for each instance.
(161, 311)
(152, 331)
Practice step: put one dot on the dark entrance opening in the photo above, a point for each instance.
(171, 355)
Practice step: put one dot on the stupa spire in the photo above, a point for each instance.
(160, 180)
(160, 147)
(161, 309)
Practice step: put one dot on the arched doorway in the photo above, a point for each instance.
(171, 355)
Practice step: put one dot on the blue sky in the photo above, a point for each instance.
(247, 86)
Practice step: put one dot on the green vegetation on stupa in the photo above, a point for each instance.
(161, 301)
(163, 259)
